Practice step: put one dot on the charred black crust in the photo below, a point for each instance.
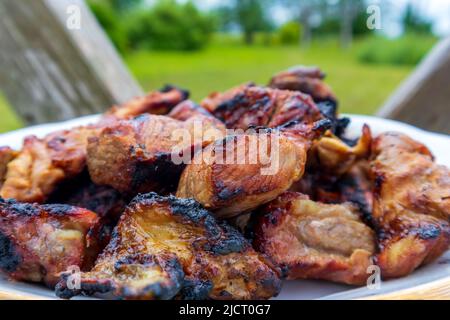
(429, 232)
(224, 239)
(169, 87)
(328, 108)
(322, 125)
(233, 241)
(194, 289)
(156, 172)
(158, 290)
(226, 194)
(351, 190)
(33, 209)
(9, 258)
(58, 209)
(230, 105)
(378, 183)
(62, 290)
(21, 209)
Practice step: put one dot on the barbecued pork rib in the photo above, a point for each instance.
(311, 240)
(166, 247)
(411, 206)
(243, 171)
(44, 163)
(148, 153)
(37, 242)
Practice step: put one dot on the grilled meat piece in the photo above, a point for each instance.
(37, 242)
(332, 156)
(356, 187)
(257, 106)
(156, 102)
(411, 206)
(308, 80)
(148, 153)
(6, 156)
(311, 240)
(165, 247)
(213, 100)
(44, 163)
(241, 172)
(334, 172)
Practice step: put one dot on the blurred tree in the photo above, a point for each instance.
(289, 33)
(169, 25)
(111, 23)
(124, 5)
(413, 22)
(249, 15)
(303, 12)
(348, 13)
(223, 18)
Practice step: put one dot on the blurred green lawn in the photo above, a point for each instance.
(361, 88)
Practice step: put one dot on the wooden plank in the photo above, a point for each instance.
(51, 72)
(436, 290)
(423, 99)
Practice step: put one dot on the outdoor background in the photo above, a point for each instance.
(210, 45)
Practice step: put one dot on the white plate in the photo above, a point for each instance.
(438, 144)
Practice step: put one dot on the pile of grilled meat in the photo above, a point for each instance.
(109, 200)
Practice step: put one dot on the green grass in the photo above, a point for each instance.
(8, 120)
(361, 88)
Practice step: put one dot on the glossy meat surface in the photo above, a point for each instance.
(241, 172)
(43, 164)
(148, 153)
(411, 207)
(311, 240)
(37, 242)
(308, 80)
(156, 102)
(166, 247)
(258, 106)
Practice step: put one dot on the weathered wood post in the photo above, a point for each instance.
(57, 63)
(424, 98)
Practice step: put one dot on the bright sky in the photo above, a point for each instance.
(437, 11)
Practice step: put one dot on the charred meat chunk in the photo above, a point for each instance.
(242, 172)
(258, 106)
(165, 247)
(148, 153)
(311, 240)
(38, 242)
(411, 206)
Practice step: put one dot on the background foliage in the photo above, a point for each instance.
(169, 41)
